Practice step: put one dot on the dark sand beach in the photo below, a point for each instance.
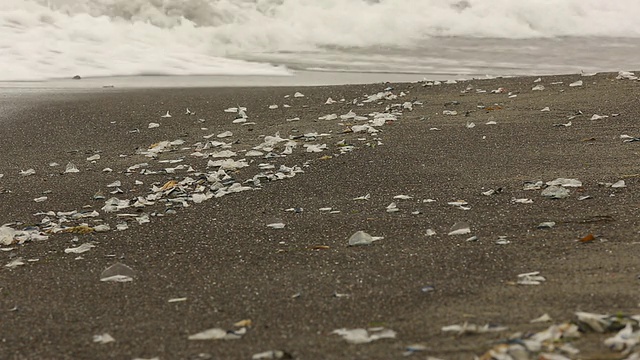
(299, 284)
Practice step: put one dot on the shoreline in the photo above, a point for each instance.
(301, 283)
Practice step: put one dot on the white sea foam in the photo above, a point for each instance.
(60, 38)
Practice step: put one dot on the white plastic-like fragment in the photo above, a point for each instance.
(14, 263)
(80, 249)
(619, 184)
(576, 83)
(362, 336)
(599, 117)
(298, 94)
(276, 225)
(403, 197)
(103, 338)
(546, 225)
(27, 172)
(269, 355)
(538, 88)
(522, 201)
(393, 207)
(167, 115)
(545, 109)
(555, 192)
(218, 334)
(364, 197)
(118, 272)
(543, 318)
(531, 278)
(115, 184)
(94, 157)
(460, 228)
(71, 168)
(40, 199)
(362, 238)
(430, 232)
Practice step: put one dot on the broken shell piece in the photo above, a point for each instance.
(364, 197)
(118, 272)
(40, 199)
(218, 334)
(555, 192)
(94, 157)
(360, 238)
(167, 115)
(276, 225)
(565, 182)
(14, 263)
(576, 83)
(531, 278)
(403, 197)
(522, 201)
(103, 339)
(543, 318)
(80, 249)
(271, 354)
(502, 240)
(27, 172)
(393, 207)
(599, 117)
(430, 232)
(460, 228)
(71, 168)
(619, 184)
(467, 328)
(362, 336)
(546, 225)
(153, 125)
(538, 88)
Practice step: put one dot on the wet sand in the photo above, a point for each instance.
(230, 266)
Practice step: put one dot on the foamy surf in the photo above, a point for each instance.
(45, 39)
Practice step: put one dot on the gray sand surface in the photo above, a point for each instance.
(230, 266)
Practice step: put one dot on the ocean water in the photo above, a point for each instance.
(57, 39)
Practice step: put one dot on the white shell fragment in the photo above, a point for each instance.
(555, 192)
(467, 328)
(565, 182)
(541, 319)
(80, 249)
(94, 157)
(14, 263)
(218, 334)
(71, 168)
(619, 184)
(276, 225)
(531, 278)
(103, 339)
(40, 199)
(363, 336)
(118, 272)
(27, 172)
(576, 83)
(153, 125)
(460, 228)
(360, 238)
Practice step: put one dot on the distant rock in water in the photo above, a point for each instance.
(77, 77)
